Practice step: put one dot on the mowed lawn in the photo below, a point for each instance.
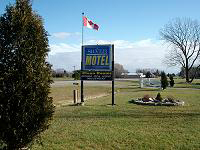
(98, 125)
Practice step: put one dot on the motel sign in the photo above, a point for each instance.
(97, 58)
(97, 62)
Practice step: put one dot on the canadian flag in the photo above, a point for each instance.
(88, 23)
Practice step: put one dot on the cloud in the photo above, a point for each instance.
(123, 44)
(65, 60)
(138, 54)
(61, 35)
(64, 35)
(62, 47)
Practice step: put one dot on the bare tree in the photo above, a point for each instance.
(183, 35)
(119, 69)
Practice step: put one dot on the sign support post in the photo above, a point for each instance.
(113, 77)
(82, 96)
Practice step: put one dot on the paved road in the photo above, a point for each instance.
(88, 83)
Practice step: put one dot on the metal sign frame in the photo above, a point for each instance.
(97, 63)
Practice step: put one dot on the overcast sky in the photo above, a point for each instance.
(131, 25)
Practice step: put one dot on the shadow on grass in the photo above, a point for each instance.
(136, 89)
(114, 112)
(184, 84)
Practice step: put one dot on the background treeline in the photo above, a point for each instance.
(119, 71)
(193, 73)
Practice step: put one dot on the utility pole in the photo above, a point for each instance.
(74, 67)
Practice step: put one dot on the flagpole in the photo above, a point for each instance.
(82, 96)
(82, 27)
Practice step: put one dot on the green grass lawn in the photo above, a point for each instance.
(62, 79)
(98, 125)
(180, 83)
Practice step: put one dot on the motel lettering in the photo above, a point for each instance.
(99, 60)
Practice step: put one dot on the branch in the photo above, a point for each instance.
(194, 47)
(194, 59)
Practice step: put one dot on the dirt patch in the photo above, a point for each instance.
(70, 102)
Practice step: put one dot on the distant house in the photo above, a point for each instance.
(61, 73)
(132, 75)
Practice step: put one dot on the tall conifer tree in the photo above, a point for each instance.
(164, 81)
(25, 76)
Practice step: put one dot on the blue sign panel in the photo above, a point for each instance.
(97, 57)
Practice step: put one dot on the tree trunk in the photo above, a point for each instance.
(187, 75)
(187, 72)
(11, 147)
(191, 79)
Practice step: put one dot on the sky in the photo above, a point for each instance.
(131, 25)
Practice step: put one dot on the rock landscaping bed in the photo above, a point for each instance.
(158, 101)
